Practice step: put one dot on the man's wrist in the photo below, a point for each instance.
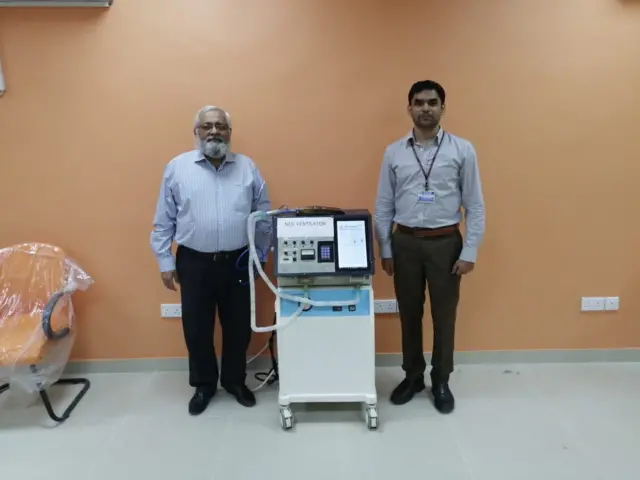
(469, 254)
(166, 263)
(385, 250)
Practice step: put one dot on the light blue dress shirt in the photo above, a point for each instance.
(206, 209)
(455, 180)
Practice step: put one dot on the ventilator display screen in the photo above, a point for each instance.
(351, 242)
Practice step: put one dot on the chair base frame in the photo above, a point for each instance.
(44, 395)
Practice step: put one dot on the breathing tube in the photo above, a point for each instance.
(263, 254)
(255, 262)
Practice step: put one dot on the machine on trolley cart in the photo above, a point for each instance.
(324, 307)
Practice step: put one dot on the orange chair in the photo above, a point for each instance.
(37, 328)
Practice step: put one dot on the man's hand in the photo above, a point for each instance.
(462, 267)
(387, 266)
(168, 278)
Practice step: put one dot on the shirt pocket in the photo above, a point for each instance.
(241, 198)
(408, 176)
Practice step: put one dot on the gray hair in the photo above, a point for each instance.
(211, 108)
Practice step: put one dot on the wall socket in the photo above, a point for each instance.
(592, 304)
(385, 306)
(611, 303)
(599, 304)
(171, 310)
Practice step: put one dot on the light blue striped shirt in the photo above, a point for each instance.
(207, 209)
(455, 180)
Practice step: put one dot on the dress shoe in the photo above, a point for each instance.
(244, 396)
(442, 398)
(404, 392)
(200, 401)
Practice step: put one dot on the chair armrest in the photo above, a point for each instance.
(46, 318)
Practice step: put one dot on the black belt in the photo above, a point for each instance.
(231, 255)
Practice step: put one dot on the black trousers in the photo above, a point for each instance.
(422, 263)
(211, 282)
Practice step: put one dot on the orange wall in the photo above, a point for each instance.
(548, 90)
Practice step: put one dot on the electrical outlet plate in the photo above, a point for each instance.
(592, 304)
(611, 303)
(171, 310)
(385, 306)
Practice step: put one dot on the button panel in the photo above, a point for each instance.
(306, 256)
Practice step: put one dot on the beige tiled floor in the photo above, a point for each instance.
(515, 422)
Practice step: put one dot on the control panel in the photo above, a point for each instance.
(323, 245)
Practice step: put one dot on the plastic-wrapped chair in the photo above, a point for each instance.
(37, 321)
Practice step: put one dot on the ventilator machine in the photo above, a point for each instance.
(324, 306)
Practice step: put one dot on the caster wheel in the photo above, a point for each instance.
(372, 418)
(286, 418)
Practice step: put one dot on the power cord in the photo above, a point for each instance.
(263, 258)
(271, 376)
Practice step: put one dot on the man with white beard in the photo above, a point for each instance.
(205, 200)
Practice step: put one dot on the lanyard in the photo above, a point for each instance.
(433, 161)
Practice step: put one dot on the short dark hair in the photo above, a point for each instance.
(423, 85)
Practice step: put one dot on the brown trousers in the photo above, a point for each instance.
(418, 263)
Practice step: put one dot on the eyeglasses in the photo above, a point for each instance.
(220, 127)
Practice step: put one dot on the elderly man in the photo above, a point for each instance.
(206, 196)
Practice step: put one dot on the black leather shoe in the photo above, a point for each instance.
(404, 392)
(200, 401)
(443, 398)
(244, 396)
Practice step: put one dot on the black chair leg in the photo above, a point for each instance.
(86, 384)
(47, 402)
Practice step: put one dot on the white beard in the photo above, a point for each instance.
(213, 148)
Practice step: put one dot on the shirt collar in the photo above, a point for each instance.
(199, 157)
(410, 138)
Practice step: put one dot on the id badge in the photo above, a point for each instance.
(427, 197)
